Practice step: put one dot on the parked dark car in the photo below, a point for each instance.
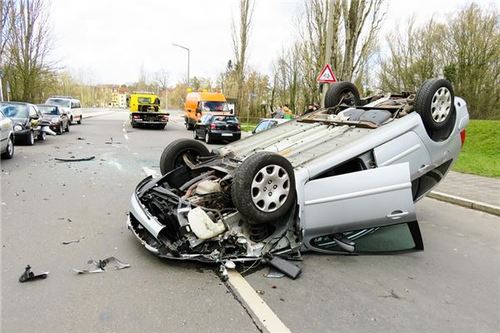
(58, 118)
(27, 119)
(6, 137)
(212, 127)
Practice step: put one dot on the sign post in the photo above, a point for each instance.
(325, 76)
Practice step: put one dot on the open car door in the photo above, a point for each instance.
(369, 211)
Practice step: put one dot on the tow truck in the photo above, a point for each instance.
(145, 111)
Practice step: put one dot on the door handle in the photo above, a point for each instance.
(397, 214)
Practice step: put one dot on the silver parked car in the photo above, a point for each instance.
(6, 136)
(343, 179)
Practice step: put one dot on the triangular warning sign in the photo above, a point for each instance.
(326, 75)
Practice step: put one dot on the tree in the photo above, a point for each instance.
(466, 51)
(240, 35)
(472, 53)
(28, 70)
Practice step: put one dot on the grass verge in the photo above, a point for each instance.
(481, 152)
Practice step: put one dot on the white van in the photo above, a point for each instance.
(71, 106)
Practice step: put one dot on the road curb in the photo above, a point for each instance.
(472, 204)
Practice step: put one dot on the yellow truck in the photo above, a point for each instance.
(145, 111)
(197, 103)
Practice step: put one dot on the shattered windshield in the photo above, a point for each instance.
(14, 110)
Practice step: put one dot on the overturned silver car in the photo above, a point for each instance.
(342, 180)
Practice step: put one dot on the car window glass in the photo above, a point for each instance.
(33, 112)
(392, 238)
(262, 126)
(50, 110)
(14, 110)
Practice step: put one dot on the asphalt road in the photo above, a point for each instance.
(453, 286)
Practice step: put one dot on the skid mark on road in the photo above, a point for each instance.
(248, 297)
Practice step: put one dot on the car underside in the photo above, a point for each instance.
(321, 182)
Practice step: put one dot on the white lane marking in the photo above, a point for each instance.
(124, 130)
(261, 310)
(150, 172)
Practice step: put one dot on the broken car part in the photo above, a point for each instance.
(82, 159)
(28, 275)
(99, 266)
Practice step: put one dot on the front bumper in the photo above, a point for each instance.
(20, 136)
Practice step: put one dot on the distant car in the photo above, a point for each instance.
(59, 121)
(26, 118)
(267, 123)
(71, 106)
(221, 127)
(6, 137)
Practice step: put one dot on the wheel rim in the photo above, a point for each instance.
(441, 105)
(270, 188)
(348, 98)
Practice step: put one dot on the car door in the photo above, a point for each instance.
(336, 208)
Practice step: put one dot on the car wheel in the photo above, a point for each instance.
(195, 136)
(263, 187)
(189, 126)
(30, 139)
(172, 156)
(60, 129)
(342, 92)
(79, 122)
(435, 104)
(9, 152)
(207, 138)
(42, 136)
(67, 127)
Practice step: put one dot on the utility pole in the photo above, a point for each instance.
(1, 86)
(328, 50)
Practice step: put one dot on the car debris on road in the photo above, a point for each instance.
(74, 159)
(28, 275)
(99, 266)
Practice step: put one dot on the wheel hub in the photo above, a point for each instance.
(270, 188)
(441, 105)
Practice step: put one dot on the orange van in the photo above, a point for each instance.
(197, 103)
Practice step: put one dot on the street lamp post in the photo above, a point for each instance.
(188, 53)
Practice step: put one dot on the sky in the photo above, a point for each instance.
(109, 41)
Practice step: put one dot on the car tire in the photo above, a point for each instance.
(79, 122)
(30, 138)
(207, 138)
(342, 92)
(42, 136)
(435, 103)
(263, 188)
(71, 120)
(9, 152)
(67, 127)
(60, 130)
(172, 156)
(195, 136)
